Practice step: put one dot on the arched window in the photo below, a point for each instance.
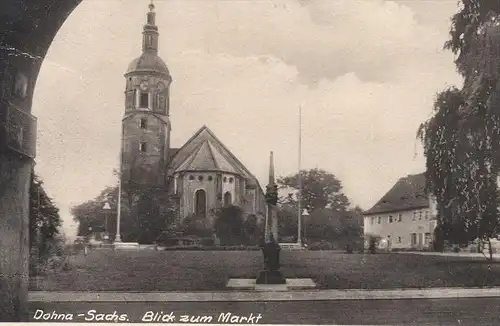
(227, 199)
(200, 202)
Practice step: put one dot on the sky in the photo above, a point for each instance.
(365, 74)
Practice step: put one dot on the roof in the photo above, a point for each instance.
(408, 193)
(205, 152)
(206, 157)
(148, 62)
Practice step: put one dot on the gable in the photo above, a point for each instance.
(204, 151)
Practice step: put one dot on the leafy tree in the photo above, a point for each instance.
(320, 189)
(229, 225)
(196, 225)
(253, 230)
(44, 223)
(287, 214)
(152, 212)
(462, 139)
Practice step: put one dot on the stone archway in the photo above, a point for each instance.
(228, 201)
(200, 203)
(27, 30)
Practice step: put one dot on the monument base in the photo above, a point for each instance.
(270, 277)
(126, 245)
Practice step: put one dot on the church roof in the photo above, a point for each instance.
(205, 152)
(148, 62)
(408, 193)
(207, 157)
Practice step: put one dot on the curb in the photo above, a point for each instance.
(312, 295)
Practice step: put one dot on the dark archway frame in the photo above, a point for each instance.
(27, 30)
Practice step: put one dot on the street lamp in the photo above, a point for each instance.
(305, 213)
(106, 209)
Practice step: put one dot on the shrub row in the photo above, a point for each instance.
(214, 248)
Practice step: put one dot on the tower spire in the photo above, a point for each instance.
(271, 169)
(150, 31)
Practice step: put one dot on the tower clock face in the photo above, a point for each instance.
(144, 85)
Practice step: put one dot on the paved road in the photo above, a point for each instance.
(470, 311)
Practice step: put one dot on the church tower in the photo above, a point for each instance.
(146, 124)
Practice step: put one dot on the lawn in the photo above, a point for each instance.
(210, 270)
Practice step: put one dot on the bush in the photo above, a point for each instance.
(373, 242)
(214, 248)
(323, 245)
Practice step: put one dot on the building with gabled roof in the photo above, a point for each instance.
(203, 174)
(405, 217)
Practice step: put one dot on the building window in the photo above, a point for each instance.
(143, 123)
(414, 216)
(399, 240)
(426, 215)
(372, 220)
(427, 238)
(143, 147)
(420, 215)
(200, 178)
(144, 100)
(224, 179)
(378, 219)
(413, 238)
(400, 217)
(390, 218)
(191, 177)
(231, 180)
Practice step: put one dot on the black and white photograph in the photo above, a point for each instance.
(309, 162)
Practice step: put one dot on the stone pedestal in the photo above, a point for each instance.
(271, 273)
(270, 277)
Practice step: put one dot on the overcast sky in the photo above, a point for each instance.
(365, 73)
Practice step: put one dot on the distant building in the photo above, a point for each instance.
(405, 217)
(201, 175)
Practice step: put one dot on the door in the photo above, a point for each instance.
(420, 239)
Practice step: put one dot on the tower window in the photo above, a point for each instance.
(144, 100)
(143, 147)
(143, 123)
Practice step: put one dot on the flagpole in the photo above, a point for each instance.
(299, 177)
(118, 238)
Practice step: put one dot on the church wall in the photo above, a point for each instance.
(251, 203)
(189, 187)
(229, 185)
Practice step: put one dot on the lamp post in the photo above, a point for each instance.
(106, 209)
(305, 213)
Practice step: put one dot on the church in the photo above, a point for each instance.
(200, 175)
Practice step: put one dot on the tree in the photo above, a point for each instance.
(229, 225)
(320, 189)
(462, 140)
(91, 216)
(196, 225)
(253, 229)
(44, 222)
(287, 214)
(152, 212)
